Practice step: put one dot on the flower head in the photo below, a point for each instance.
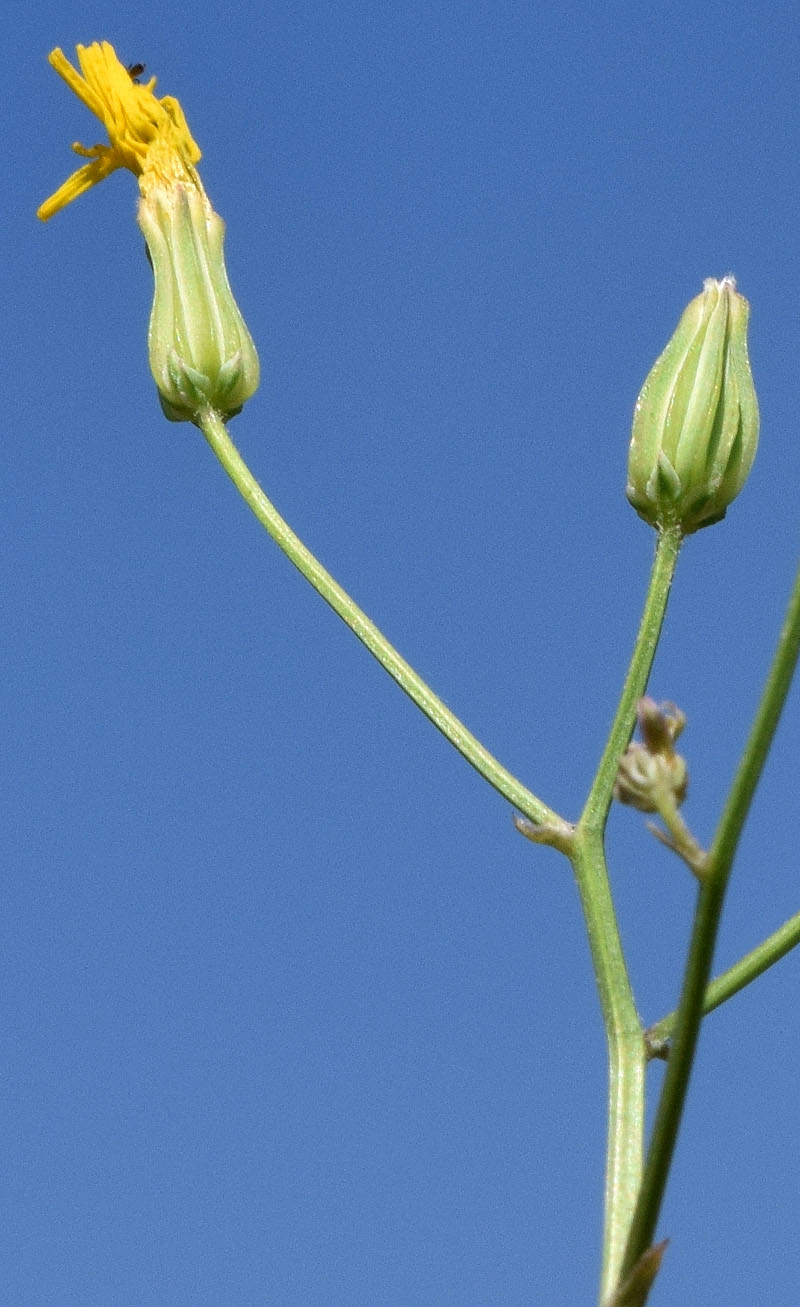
(149, 136)
(201, 354)
(695, 428)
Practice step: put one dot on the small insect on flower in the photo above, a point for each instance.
(201, 354)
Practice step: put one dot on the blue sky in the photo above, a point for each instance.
(291, 1015)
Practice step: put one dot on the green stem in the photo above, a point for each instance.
(626, 1053)
(747, 969)
(468, 746)
(598, 802)
(704, 932)
(626, 1047)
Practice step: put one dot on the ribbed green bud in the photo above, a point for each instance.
(695, 426)
(201, 353)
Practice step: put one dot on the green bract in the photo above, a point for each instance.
(201, 353)
(695, 426)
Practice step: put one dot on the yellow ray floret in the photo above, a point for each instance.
(149, 136)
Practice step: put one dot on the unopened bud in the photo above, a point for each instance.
(650, 771)
(644, 777)
(660, 724)
(695, 426)
(201, 353)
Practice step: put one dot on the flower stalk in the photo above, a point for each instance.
(372, 638)
(626, 1046)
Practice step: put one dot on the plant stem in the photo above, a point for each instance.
(704, 932)
(626, 1053)
(729, 982)
(626, 1047)
(595, 811)
(464, 741)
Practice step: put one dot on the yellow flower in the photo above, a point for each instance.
(149, 136)
(201, 354)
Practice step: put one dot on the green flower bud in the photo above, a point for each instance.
(695, 426)
(201, 353)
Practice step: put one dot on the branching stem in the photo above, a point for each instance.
(747, 969)
(710, 900)
(626, 1046)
